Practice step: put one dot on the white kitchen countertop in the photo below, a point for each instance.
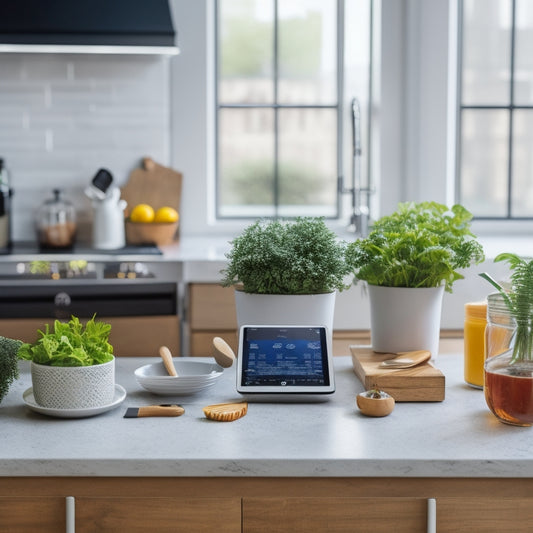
(456, 438)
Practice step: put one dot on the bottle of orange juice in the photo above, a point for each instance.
(474, 343)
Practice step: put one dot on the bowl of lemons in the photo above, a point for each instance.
(149, 225)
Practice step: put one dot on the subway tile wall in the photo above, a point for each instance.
(62, 117)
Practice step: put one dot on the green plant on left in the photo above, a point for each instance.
(8, 363)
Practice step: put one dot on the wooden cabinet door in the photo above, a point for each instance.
(334, 515)
(211, 307)
(23, 515)
(484, 515)
(176, 515)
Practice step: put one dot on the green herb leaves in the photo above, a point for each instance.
(420, 245)
(70, 344)
(280, 257)
(8, 363)
(519, 301)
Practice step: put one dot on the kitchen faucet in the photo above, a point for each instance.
(360, 196)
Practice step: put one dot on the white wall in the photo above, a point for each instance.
(62, 117)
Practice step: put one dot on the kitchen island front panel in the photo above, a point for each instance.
(458, 437)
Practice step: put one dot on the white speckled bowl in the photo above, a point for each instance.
(73, 387)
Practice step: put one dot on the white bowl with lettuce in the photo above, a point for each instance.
(72, 367)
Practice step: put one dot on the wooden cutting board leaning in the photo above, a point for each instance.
(155, 185)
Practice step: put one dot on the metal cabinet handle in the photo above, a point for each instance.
(70, 514)
(432, 516)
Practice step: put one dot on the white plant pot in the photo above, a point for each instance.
(73, 387)
(285, 309)
(404, 319)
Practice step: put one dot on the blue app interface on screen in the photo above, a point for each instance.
(284, 357)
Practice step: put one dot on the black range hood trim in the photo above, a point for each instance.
(87, 26)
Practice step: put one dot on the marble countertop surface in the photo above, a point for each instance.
(458, 437)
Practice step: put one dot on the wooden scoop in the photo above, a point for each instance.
(407, 359)
(224, 355)
(166, 355)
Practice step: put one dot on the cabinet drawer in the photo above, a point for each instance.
(21, 515)
(130, 336)
(484, 515)
(334, 515)
(191, 515)
(211, 307)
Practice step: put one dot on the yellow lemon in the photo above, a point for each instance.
(166, 214)
(142, 213)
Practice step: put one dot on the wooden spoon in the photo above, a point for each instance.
(407, 359)
(166, 355)
(224, 355)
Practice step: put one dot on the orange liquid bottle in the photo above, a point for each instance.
(474, 343)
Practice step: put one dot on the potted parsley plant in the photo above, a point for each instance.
(408, 260)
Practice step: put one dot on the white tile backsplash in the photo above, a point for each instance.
(62, 117)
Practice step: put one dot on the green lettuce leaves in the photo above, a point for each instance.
(70, 344)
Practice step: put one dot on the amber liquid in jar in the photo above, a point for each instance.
(509, 395)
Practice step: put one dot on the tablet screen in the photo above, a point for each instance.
(284, 358)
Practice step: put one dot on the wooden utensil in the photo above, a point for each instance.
(406, 359)
(224, 354)
(166, 355)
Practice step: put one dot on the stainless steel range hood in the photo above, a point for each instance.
(87, 26)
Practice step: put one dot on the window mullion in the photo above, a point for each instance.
(275, 107)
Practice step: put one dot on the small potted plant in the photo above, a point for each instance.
(509, 375)
(287, 272)
(8, 364)
(72, 367)
(408, 260)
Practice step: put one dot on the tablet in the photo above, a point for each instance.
(288, 360)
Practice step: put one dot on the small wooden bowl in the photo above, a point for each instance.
(375, 403)
(150, 232)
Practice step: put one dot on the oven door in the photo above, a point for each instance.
(143, 315)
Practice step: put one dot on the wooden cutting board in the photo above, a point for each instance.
(422, 383)
(153, 184)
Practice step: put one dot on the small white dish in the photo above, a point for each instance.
(193, 377)
(29, 400)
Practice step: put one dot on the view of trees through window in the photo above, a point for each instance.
(280, 107)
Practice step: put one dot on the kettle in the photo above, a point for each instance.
(108, 212)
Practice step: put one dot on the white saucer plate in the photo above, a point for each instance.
(29, 400)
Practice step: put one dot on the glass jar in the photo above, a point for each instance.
(508, 383)
(500, 326)
(474, 343)
(56, 223)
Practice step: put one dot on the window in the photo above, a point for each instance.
(495, 156)
(286, 72)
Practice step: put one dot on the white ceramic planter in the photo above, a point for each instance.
(73, 387)
(404, 319)
(285, 309)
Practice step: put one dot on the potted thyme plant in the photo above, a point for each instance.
(408, 260)
(287, 272)
(509, 375)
